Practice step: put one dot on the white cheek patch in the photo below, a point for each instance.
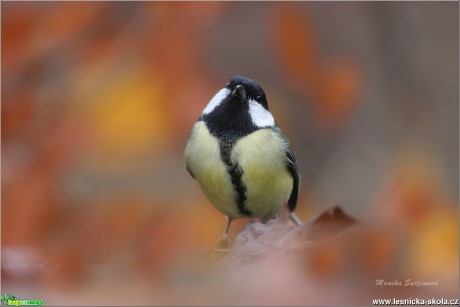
(216, 100)
(260, 116)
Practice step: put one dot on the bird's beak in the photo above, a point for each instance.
(239, 91)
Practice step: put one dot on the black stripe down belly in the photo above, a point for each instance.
(236, 172)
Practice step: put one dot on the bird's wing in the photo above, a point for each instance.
(189, 171)
(294, 170)
(186, 158)
(291, 164)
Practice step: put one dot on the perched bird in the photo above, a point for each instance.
(242, 161)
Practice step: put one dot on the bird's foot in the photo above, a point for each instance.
(223, 242)
(294, 218)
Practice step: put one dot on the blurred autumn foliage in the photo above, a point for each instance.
(98, 99)
(332, 86)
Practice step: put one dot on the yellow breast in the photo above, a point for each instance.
(202, 157)
(267, 179)
(262, 159)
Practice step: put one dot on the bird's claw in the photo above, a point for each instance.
(223, 242)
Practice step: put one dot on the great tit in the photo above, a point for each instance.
(242, 161)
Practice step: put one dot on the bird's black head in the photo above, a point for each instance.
(252, 90)
(238, 109)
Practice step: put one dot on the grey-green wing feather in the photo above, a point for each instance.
(291, 164)
(294, 170)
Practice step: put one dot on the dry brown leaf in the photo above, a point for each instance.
(258, 241)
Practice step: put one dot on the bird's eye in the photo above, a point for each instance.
(258, 97)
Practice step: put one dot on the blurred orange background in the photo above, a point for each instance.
(98, 100)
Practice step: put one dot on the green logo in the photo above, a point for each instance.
(7, 297)
(11, 300)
